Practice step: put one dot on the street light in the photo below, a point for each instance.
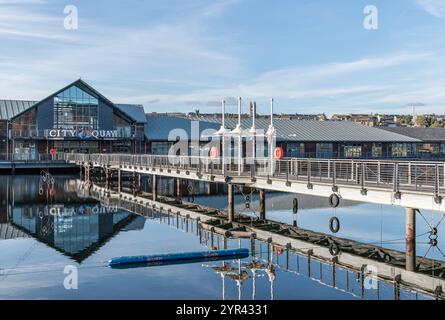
(238, 131)
(270, 134)
(222, 132)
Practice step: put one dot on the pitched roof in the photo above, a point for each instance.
(424, 134)
(158, 127)
(11, 108)
(134, 111)
(318, 131)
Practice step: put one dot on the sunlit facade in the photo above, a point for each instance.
(75, 119)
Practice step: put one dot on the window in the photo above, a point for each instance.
(324, 150)
(25, 125)
(295, 150)
(160, 148)
(122, 127)
(402, 150)
(75, 109)
(353, 151)
(377, 150)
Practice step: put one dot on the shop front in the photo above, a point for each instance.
(76, 119)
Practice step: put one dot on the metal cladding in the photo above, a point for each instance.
(11, 108)
(318, 131)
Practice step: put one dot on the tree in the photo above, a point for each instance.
(436, 124)
(422, 121)
(406, 119)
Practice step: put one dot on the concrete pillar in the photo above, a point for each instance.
(154, 190)
(262, 205)
(119, 180)
(178, 188)
(230, 203)
(107, 178)
(410, 223)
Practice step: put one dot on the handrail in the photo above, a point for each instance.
(396, 175)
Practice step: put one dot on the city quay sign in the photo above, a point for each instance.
(84, 134)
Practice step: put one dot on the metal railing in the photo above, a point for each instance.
(31, 157)
(395, 175)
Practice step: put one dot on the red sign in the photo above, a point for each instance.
(214, 153)
(279, 153)
(53, 152)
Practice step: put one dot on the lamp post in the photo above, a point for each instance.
(252, 131)
(270, 138)
(238, 131)
(222, 132)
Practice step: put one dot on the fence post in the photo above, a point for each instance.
(409, 173)
(329, 169)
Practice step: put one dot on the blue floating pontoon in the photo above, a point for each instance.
(178, 257)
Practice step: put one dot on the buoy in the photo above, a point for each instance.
(334, 225)
(214, 153)
(279, 153)
(334, 200)
(295, 206)
(176, 257)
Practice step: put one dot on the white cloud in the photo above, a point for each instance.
(433, 7)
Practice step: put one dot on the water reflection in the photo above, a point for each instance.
(79, 227)
(72, 225)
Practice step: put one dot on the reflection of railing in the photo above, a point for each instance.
(396, 176)
(343, 278)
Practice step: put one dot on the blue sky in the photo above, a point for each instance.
(310, 55)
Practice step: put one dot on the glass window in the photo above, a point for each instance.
(295, 150)
(160, 148)
(402, 150)
(377, 150)
(353, 151)
(122, 126)
(324, 150)
(75, 109)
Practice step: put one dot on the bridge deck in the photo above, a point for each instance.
(410, 184)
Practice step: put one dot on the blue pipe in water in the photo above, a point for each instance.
(183, 256)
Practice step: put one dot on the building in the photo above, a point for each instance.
(433, 141)
(298, 138)
(364, 119)
(77, 118)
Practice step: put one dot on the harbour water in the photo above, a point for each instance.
(42, 234)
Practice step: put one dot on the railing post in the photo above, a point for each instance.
(378, 172)
(396, 178)
(334, 174)
(329, 169)
(409, 173)
(309, 173)
(352, 170)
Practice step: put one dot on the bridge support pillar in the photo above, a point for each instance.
(230, 203)
(410, 224)
(154, 189)
(262, 205)
(178, 188)
(107, 178)
(119, 180)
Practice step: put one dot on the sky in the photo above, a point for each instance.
(311, 56)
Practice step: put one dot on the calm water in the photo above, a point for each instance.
(41, 235)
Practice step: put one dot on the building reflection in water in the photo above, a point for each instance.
(77, 226)
(74, 226)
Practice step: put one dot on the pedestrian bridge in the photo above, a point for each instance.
(409, 184)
